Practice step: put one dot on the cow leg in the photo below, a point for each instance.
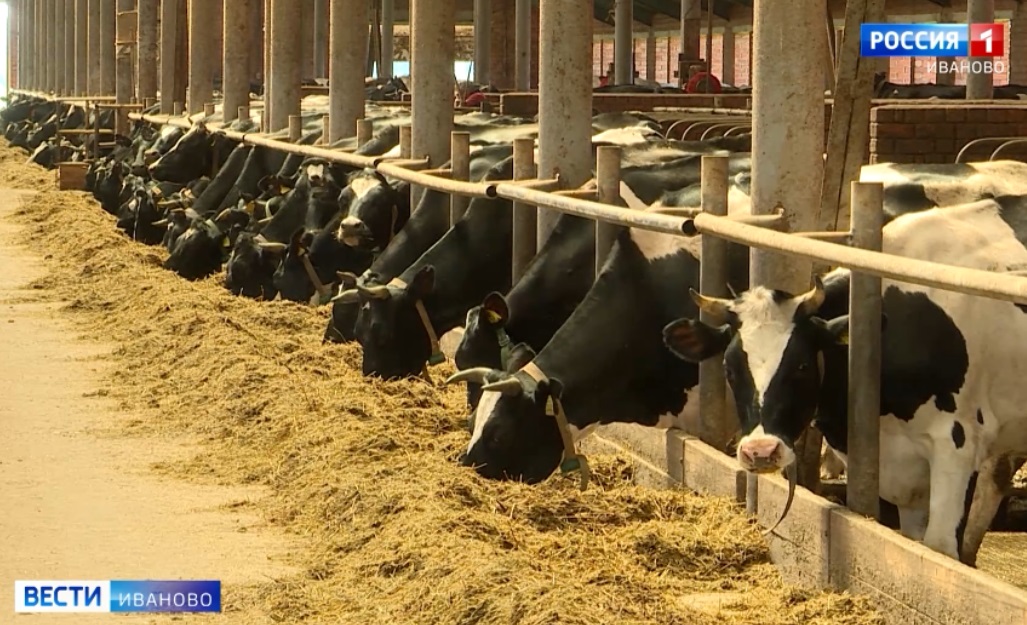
(913, 522)
(952, 467)
(993, 481)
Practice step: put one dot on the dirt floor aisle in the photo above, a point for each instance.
(78, 504)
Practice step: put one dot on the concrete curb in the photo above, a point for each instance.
(822, 544)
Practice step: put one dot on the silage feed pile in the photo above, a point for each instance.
(365, 472)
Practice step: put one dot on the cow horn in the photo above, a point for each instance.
(474, 376)
(345, 277)
(223, 214)
(350, 296)
(162, 222)
(710, 305)
(375, 292)
(810, 302)
(264, 221)
(509, 386)
(272, 245)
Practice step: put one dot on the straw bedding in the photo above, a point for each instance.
(365, 471)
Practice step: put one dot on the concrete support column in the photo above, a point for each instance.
(94, 69)
(108, 34)
(348, 41)
(388, 38)
(624, 43)
(168, 54)
(256, 19)
(66, 46)
(522, 45)
(286, 55)
(565, 94)
(81, 8)
(1017, 42)
(979, 86)
(236, 83)
(146, 49)
(948, 77)
(650, 55)
(267, 66)
(727, 73)
(50, 45)
(38, 45)
(123, 66)
(482, 40)
(432, 51)
(306, 35)
(691, 28)
(321, 38)
(201, 54)
(788, 117)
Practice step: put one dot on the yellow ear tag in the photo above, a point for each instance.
(283, 190)
(843, 338)
(156, 193)
(492, 316)
(249, 207)
(226, 243)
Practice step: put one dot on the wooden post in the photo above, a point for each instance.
(850, 117)
(295, 128)
(524, 216)
(365, 131)
(608, 180)
(405, 136)
(714, 422)
(865, 307)
(460, 163)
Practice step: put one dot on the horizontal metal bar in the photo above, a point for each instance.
(581, 194)
(842, 238)
(999, 286)
(647, 220)
(435, 183)
(409, 164)
(677, 211)
(551, 184)
(441, 172)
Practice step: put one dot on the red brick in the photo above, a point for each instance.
(977, 115)
(967, 131)
(927, 130)
(998, 115)
(902, 131)
(934, 115)
(945, 130)
(945, 145)
(885, 146)
(955, 114)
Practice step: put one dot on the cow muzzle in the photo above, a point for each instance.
(353, 232)
(764, 454)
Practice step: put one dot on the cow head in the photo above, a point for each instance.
(341, 324)
(514, 435)
(290, 278)
(200, 250)
(177, 222)
(772, 344)
(250, 268)
(484, 343)
(375, 210)
(189, 159)
(389, 328)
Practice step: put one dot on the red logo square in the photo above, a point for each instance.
(987, 40)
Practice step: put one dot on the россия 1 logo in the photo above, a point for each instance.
(945, 40)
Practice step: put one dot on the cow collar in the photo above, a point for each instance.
(324, 292)
(437, 357)
(572, 460)
(212, 228)
(505, 345)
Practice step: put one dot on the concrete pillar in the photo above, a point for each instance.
(38, 45)
(433, 26)
(948, 77)
(306, 10)
(123, 66)
(50, 47)
(81, 47)
(320, 38)
(624, 43)
(201, 54)
(146, 51)
(565, 98)
(788, 117)
(388, 39)
(348, 41)
(256, 19)
(691, 28)
(522, 45)
(979, 86)
(108, 25)
(1017, 42)
(268, 78)
(94, 68)
(650, 55)
(482, 40)
(168, 54)
(286, 54)
(727, 73)
(66, 10)
(236, 82)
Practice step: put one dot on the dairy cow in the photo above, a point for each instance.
(952, 393)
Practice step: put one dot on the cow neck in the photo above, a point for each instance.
(324, 292)
(437, 357)
(572, 461)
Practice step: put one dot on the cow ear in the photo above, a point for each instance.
(555, 388)
(296, 241)
(695, 341)
(520, 355)
(423, 283)
(495, 309)
(833, 332)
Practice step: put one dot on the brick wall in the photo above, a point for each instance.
(667, 50)
(936, 133)
(502, 69)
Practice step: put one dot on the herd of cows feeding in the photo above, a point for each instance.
(620, 347)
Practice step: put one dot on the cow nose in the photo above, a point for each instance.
(761, 452)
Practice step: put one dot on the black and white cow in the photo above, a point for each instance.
(606, 363)
(952, 392)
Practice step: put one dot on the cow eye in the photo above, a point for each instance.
(803, 367)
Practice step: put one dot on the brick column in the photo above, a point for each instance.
(502, 65)
(727, 76)
(1017, 43)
